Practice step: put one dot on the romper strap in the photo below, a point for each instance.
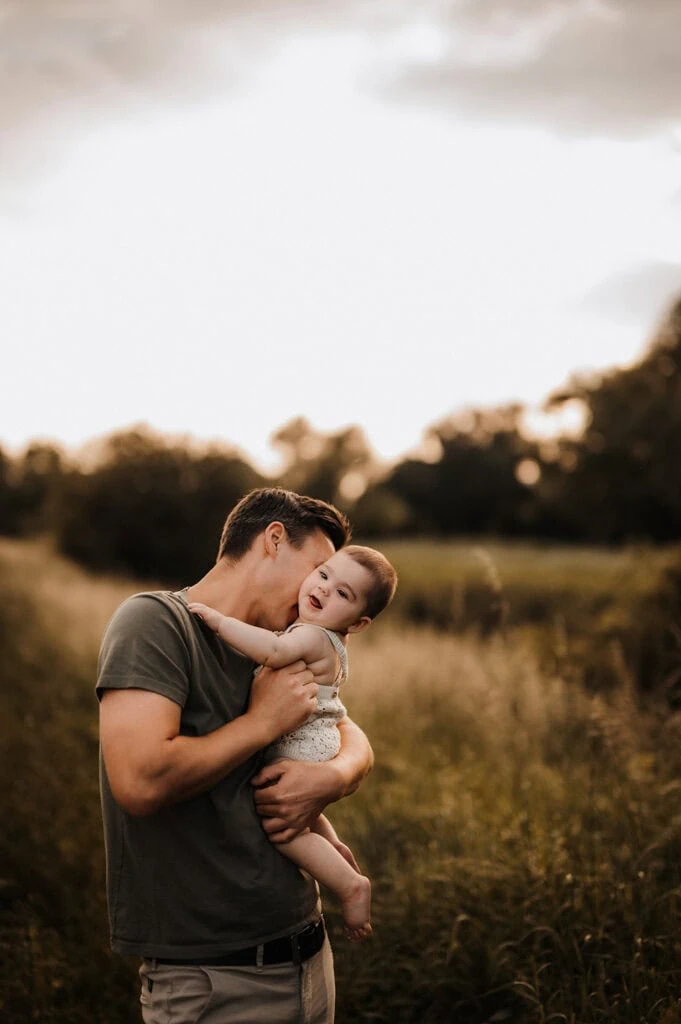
(341, 652)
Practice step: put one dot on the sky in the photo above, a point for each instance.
(217, 216)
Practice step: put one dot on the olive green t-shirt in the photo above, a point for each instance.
(199, 877)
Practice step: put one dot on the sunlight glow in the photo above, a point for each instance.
(285, 250)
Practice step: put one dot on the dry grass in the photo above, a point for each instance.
(523, 833)
(523, 836)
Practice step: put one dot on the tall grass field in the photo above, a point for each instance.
(522, 825)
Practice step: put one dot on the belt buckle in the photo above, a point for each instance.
(307, 932)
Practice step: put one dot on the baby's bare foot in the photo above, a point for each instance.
(356, 907)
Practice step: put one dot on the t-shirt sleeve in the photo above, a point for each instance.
(144, 648)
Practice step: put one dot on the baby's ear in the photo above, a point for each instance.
(361, 624)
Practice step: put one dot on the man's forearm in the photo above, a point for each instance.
(150, 764)
(190, 765)
(182, 767)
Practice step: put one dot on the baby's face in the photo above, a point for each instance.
(334, 595)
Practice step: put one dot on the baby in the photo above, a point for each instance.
(340, 597)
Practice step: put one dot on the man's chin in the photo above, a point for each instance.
(292, 617)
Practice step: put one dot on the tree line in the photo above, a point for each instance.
(139, 502)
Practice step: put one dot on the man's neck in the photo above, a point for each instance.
(227, 587)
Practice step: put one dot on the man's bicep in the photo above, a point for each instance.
(134, 725)
(135, 713)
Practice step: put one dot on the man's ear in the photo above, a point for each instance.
(361, 624)
(275, 535)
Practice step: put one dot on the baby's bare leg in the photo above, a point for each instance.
(319, 858)
(323, 827)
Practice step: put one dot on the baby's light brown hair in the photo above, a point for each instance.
(384, 577)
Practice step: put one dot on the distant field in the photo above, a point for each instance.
(593, 614)
(561, 566)
(531, 576)
(522, 829)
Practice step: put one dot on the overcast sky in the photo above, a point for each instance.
(215, 216)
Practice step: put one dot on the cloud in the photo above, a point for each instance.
(61, 60)
(583, 66)
(86, 47)
(580, 66)
(640, 293)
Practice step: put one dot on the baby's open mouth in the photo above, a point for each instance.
(314, 601)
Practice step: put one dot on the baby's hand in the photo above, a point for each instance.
(209, 615)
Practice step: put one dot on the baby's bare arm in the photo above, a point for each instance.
(264, 646)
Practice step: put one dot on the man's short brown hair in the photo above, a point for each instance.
(299, 515)
(384, 577)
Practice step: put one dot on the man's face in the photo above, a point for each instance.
(290, 568)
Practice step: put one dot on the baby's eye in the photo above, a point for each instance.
(343, 594)
(323, 574)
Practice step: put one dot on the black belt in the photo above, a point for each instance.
(289, 949)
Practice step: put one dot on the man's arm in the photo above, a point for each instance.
(289, 795)
(150, 765)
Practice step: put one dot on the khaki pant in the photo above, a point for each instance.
(277, 994)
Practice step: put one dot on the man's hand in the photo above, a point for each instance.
(282, 699)
(290, 795)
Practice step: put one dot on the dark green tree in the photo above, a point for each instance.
(37, 489)
(9, 520)
(476, 486)
(622, 479)
(152, 507)
(334, 467)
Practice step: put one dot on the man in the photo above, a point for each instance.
(230, 931)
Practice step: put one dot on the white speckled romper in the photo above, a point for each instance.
(317, 739)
